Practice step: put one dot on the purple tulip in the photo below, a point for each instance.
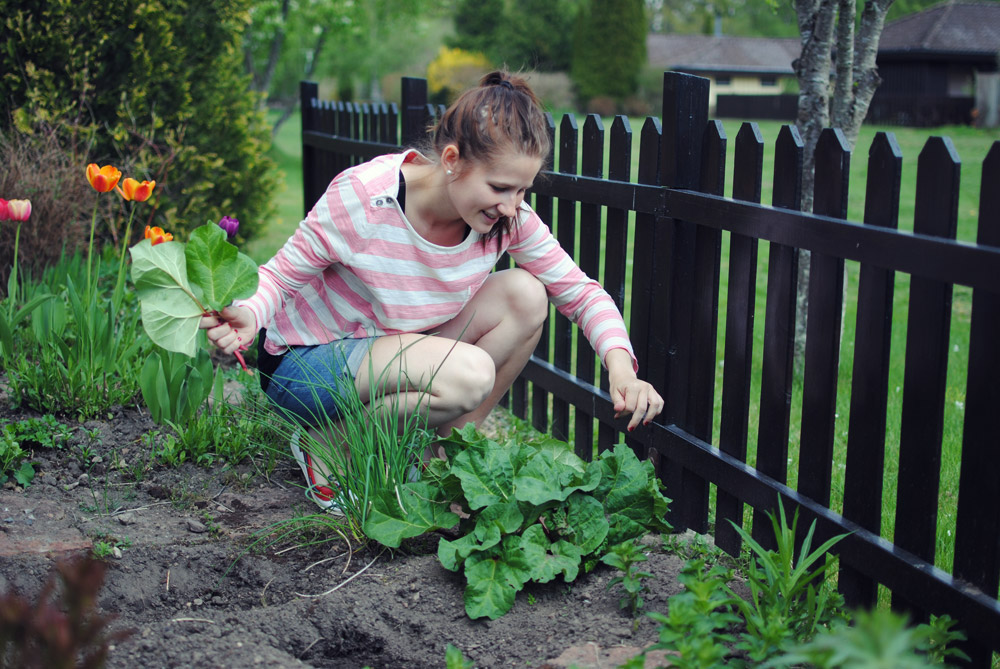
(230, 224)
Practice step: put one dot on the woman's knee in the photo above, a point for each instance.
(527, 298)
(468, 378)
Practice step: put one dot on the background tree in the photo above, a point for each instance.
(609, 48)
(284, 44)
(521, 34)
(827, 27)
(154, 86)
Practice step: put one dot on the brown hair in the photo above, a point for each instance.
(501, 113)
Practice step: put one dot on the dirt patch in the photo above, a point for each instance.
(180, 574)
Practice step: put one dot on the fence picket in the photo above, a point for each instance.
(643, 259)
(826, 295)
(926, 365)
(543, 207)
(616, 246)
(589, 260)
(977, 529)
(870, 379)
(741, 301)
(566, 234)
(779, 330)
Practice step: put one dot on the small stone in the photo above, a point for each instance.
(70, 486)
(83, 478)
(195, 526)
(117, 552)
(96, 459)
(198, 601)
(127, 519)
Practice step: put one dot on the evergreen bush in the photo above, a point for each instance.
(154, 84)
(609, 49)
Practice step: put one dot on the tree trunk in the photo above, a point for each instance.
(856, 78)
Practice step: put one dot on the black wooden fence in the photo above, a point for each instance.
(676, 213)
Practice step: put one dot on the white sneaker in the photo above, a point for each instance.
(325, 496)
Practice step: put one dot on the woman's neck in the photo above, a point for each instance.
(428, 207)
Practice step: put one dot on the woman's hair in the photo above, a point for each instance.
(500, 114)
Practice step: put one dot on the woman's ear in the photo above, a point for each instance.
(450, 158)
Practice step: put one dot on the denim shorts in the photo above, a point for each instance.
(309, 380)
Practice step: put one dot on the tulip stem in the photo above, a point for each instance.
(90, 248)
(12, 296)
(120, 285)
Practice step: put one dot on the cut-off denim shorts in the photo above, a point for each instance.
(308, 381)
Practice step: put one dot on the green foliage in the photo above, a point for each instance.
(535, 512)
(12, 458)
(175, 386)
(698, 621)
(61, 634)
(877, 640)
(522, 34)
(160, 82)
(788, 598)
(609, 49)
(82, 352)
(624, 557)
(455, 659)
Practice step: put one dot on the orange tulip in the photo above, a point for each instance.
(157, 236)
(131, 189)
(18, 210)
(103, 179)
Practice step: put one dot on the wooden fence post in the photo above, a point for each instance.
(308, 96)
(414, 113)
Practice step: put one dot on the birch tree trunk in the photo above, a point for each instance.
(831, 34)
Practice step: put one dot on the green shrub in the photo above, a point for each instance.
(156, 88)
(609, 49)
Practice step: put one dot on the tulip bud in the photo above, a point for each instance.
(103, 179)
(18, 210)
(156, 235)
(230, 224)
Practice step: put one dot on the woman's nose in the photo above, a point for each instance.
(509, 205)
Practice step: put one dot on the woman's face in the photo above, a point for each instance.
(483, 192)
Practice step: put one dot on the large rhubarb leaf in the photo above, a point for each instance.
(170, 304)
(414, 508)
(223, 273)
(494, 579)
(547, 559)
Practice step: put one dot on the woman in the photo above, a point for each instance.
(388, 280)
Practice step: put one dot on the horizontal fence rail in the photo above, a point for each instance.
(664, 241)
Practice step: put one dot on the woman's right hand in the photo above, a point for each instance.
(232, 330)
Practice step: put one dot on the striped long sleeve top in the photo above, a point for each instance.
(356, 268)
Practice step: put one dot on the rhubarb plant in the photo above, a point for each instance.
(535, 512)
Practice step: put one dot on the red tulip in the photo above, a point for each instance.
(103, 179)
(157, 235)
(132, 189)
(3, 210)
(18, 210)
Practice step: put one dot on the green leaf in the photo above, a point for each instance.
(417, 508)
(494, 579)
(170, 306)
(25, 474)
(548, 560)
(487, 476)
(585, 518)
(218, 268)
(452, 554)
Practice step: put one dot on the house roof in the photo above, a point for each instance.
(954, 27)
(710, 53)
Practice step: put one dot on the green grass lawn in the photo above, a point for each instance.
(971, 146)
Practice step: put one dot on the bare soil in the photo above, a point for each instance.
(194, 592)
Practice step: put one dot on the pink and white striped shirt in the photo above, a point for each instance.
(356, 268)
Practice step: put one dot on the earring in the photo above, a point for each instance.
(448, 172)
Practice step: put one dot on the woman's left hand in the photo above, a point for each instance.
(630, 394)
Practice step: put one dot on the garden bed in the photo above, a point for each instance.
(181, 577)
